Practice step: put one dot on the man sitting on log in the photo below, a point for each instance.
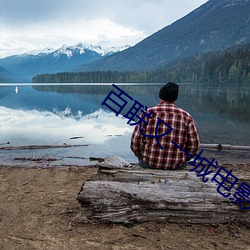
(160, 128)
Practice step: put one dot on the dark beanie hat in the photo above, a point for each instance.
(169, 92)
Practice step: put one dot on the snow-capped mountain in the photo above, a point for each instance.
(81, 48)
(49, 60)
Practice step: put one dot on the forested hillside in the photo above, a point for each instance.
(214, 26)
(229, 66)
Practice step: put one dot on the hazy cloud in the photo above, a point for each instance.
(94, 127)
(30, 24)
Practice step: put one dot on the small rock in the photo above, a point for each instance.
(70, 227)
(128, 224)
(67, 210)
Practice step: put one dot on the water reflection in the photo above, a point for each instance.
(29, 127)
(225, 101)
(52, 114)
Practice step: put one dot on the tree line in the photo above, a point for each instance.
(231, 66)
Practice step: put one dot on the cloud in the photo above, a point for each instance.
(22, 12)
(31, 24)
(33, 127)
(38, 36)
(142, 14)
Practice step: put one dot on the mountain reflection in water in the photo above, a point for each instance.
(52, 114)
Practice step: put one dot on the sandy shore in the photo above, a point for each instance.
(38, 210)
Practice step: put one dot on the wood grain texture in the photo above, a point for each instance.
(119, 195)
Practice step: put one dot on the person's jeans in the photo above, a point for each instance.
(145, 165)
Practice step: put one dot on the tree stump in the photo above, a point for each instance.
(118, 195)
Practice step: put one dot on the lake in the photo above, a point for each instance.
(59, 114)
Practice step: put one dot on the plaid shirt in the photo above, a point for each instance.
(184, 134)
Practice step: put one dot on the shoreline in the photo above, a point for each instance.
(39, 210)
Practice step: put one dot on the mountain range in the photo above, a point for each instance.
(7, 76)
(214, 26)
(64, 59)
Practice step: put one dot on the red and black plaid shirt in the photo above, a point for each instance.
(184, 134)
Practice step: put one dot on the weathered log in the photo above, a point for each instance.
(120, 195)
(39, 159)
(113, 161)
(224, 146)
(29, 147)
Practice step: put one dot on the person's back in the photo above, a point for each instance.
(175, 124)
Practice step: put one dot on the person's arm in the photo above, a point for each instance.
(136, 141)
(193, 140)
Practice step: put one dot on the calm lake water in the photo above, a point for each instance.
(73, 114)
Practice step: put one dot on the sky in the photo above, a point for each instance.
(33, 25)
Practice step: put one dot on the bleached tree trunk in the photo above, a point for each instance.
(117, 195)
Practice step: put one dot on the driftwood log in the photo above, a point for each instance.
(119, 195)
(225, 147)
(30, 147)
